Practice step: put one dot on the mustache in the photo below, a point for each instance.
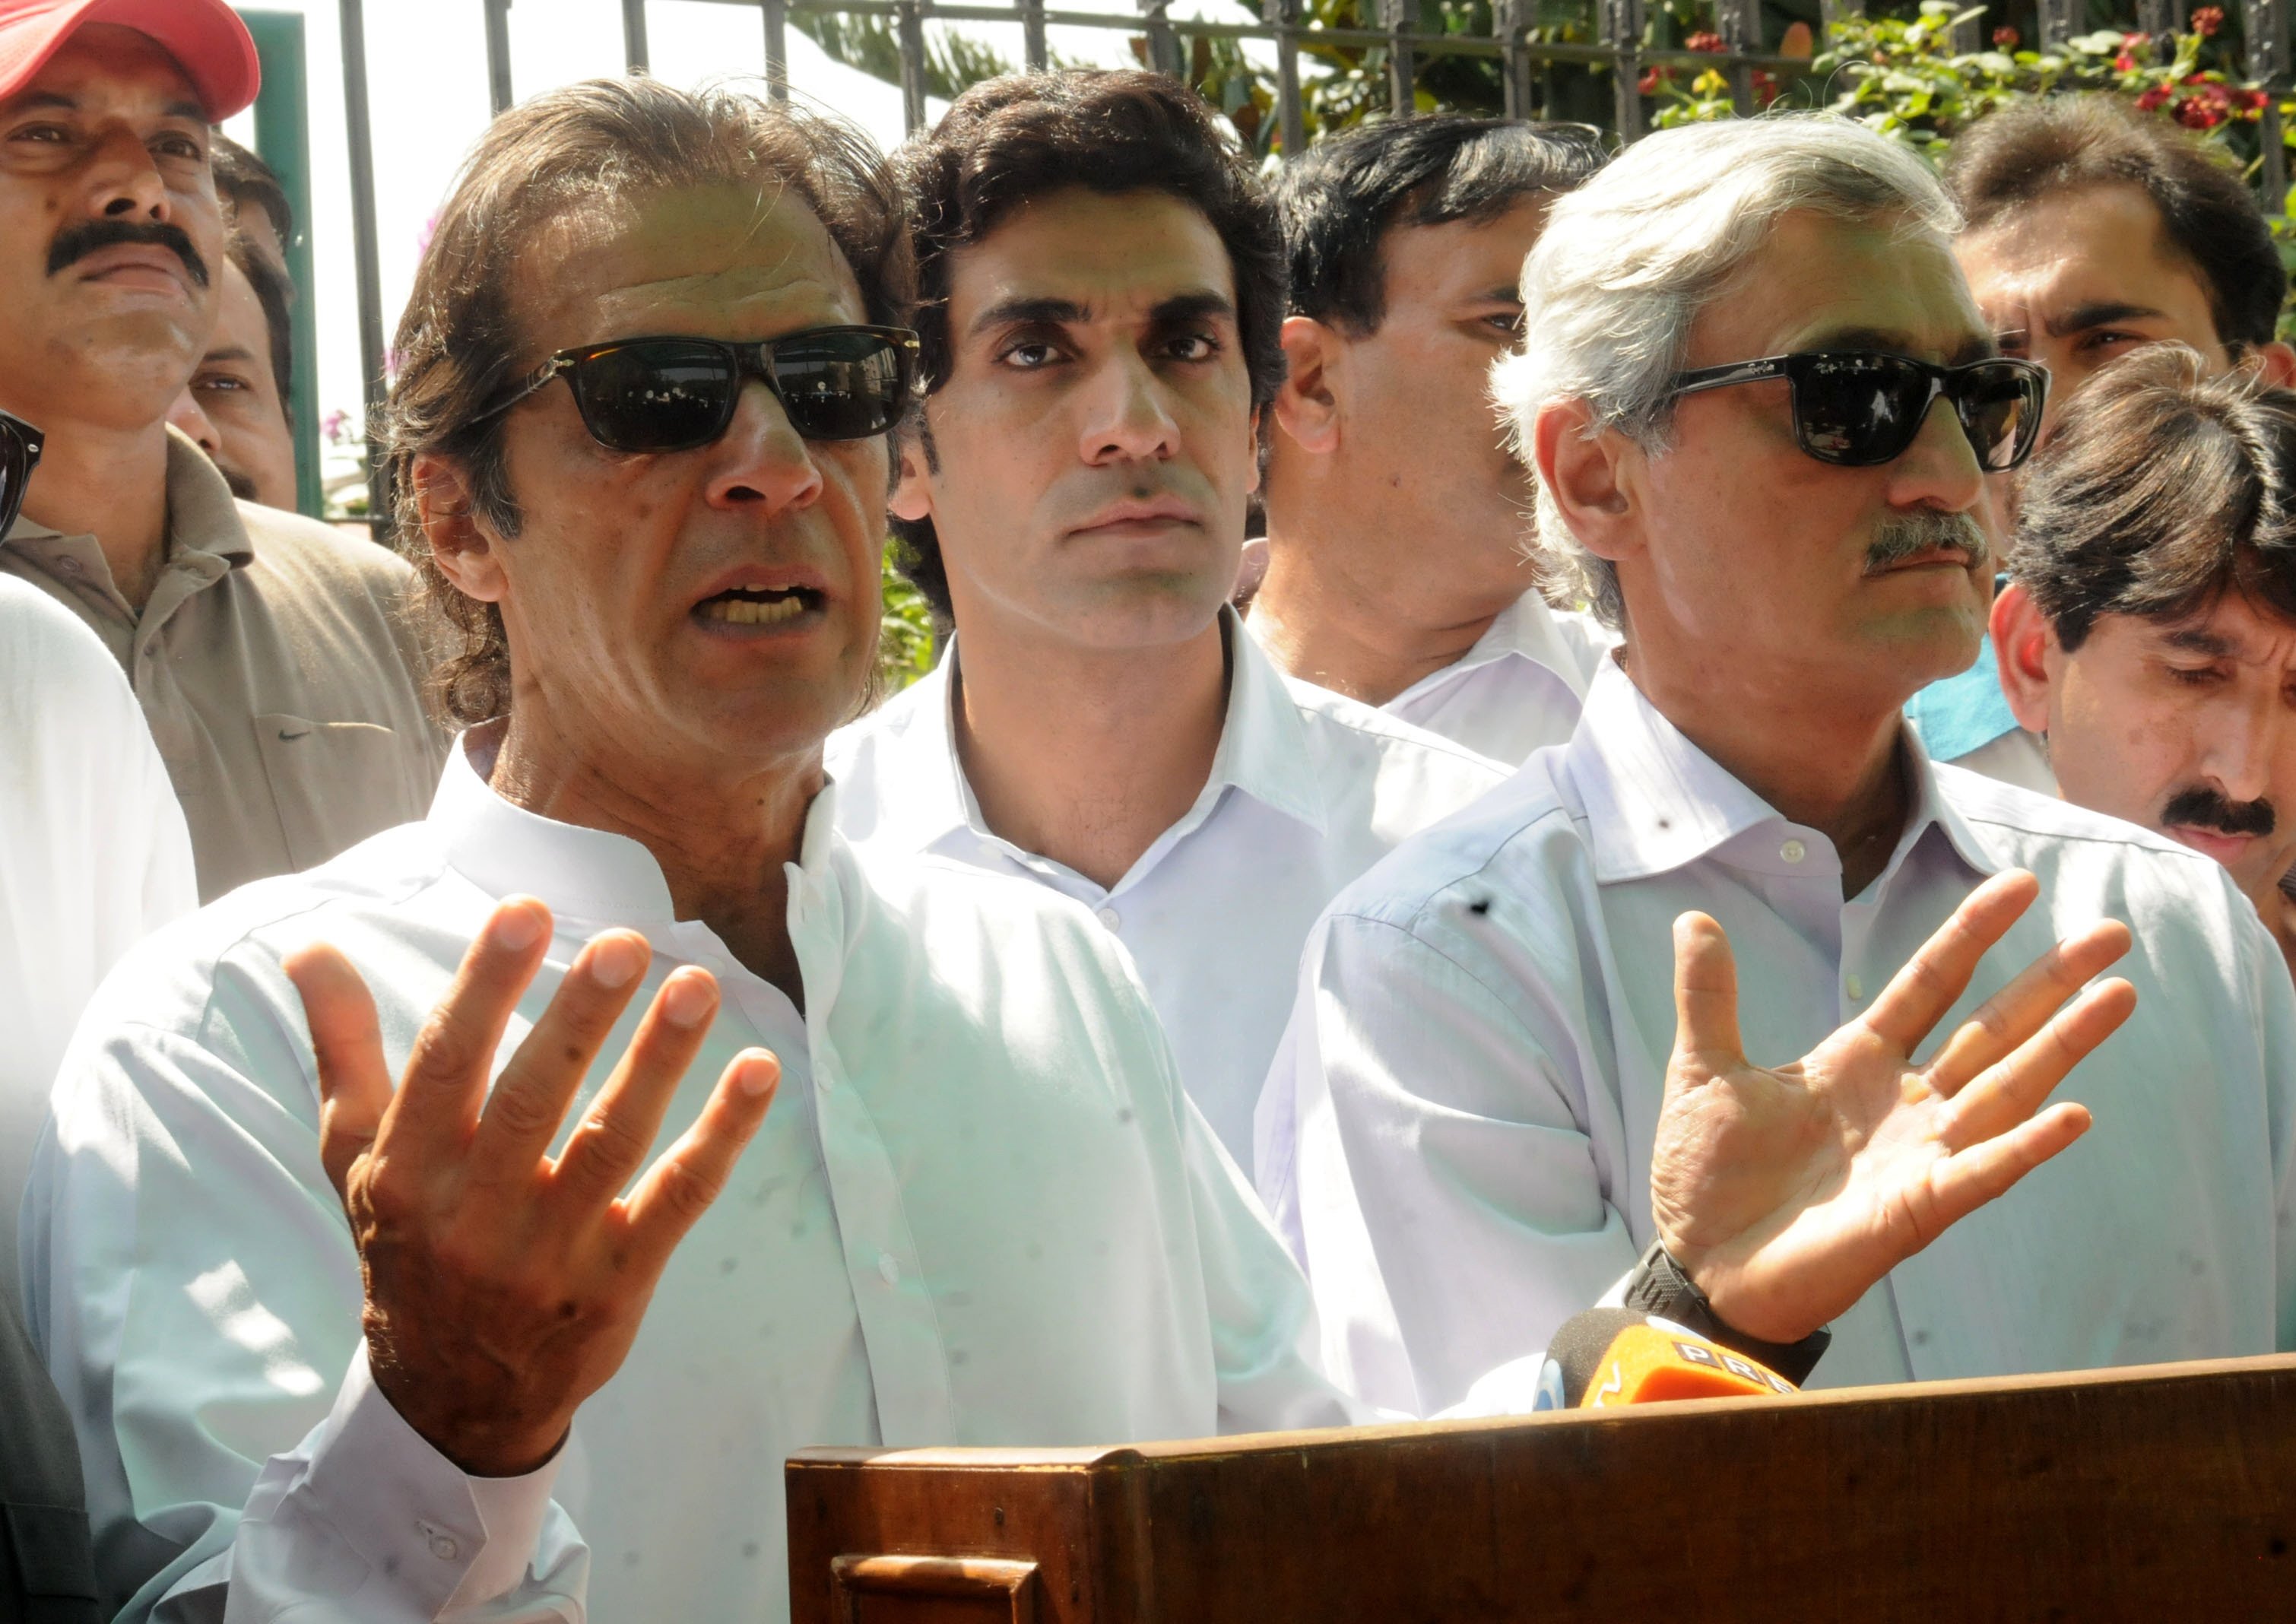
(1903, 536)
(77, 242)
(2199, 807)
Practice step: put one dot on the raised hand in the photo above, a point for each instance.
(504, 1287)
(1784, 1194)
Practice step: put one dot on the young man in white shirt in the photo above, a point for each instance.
(981, 1210)
(1102, 288)
(1399, 570)
(1762, 407)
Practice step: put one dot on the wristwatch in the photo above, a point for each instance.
(1659, 1288)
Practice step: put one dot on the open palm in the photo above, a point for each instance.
(1786, 1193)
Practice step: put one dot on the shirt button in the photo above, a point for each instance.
(888, 1268)
(443, 1545)
(1793, 851)
(1110, 918)
(1857, 989)
(69, 566)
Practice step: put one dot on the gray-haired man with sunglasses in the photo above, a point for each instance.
(1763, 409)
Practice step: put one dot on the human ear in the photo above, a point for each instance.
(2276, 362)
(1307, 406)
(911, 499)
(1589, 477)
(2023, 646)
(465, 548)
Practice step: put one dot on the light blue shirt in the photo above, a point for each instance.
(1458, 1129)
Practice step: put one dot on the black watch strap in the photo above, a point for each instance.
(1658, 1287)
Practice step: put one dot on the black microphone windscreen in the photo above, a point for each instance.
(1578, 1347)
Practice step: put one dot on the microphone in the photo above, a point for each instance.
(1605, 1358)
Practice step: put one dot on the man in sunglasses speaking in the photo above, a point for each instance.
(1759, 399)
(272, 655)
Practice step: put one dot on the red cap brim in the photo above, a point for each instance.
(206, 37)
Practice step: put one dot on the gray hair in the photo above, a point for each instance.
(1629, 261)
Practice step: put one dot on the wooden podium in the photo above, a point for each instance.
(2167, 1492)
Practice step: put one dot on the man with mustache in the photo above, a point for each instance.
(1102, 303)
(2148, 631)
(2092, 229)
(1763, 410)
(273, 657)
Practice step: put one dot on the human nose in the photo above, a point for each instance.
(2240, 745)
(1127, 414)
(188, 415)
(124, 182)
(1939, 470)
(762, 458)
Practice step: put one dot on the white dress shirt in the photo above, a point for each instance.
(1306, 791)
(980, 1211)
(93, 855)
(1459, 1128)
(1519, 689)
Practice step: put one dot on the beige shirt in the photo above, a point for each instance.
(277, 664)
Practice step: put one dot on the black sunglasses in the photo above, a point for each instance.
(1859, 407)
(672, 393)
(19, 450)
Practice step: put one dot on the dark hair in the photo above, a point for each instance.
(242, 179)
(2025, 151)
(564, 152)
(1340, 199)
(276, 295)
(1011, 139)
(2161, 488)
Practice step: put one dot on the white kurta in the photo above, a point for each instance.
(1459, 1129)
(94, 855)
(981, 1212)
(1306, 791)
(1519, 687)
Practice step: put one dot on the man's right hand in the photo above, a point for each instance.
(504, 1287)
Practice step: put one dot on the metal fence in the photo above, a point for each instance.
(1619, 27)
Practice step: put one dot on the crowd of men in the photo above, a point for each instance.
(508, 1043)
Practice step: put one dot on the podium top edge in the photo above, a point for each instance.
(2268, 1368)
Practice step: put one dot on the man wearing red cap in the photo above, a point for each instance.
(273, 658)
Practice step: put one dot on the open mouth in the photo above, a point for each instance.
(760, 605)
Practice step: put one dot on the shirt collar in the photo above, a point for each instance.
(1525, 630)
(1263, 748)
(1655, 802)
(589, 875)
(203, 514)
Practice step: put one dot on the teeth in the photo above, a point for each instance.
(744, 611)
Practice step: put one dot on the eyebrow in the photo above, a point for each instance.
(2097, 314)
(230, 352)
(1972, 347)
(2196, 640)
(190, 110)
(1058, 312)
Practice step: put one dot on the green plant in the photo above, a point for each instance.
(905, 648)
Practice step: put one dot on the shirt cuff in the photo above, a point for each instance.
(447, 1540)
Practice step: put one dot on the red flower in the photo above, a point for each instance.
(2132, 41)
(1766, 89)
(2206, 20)
(1652, 77)
(2004, 38)
(2124, 64)
(1704, 42)
(2252, 100)
(2197, 114)
(2152, 98)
